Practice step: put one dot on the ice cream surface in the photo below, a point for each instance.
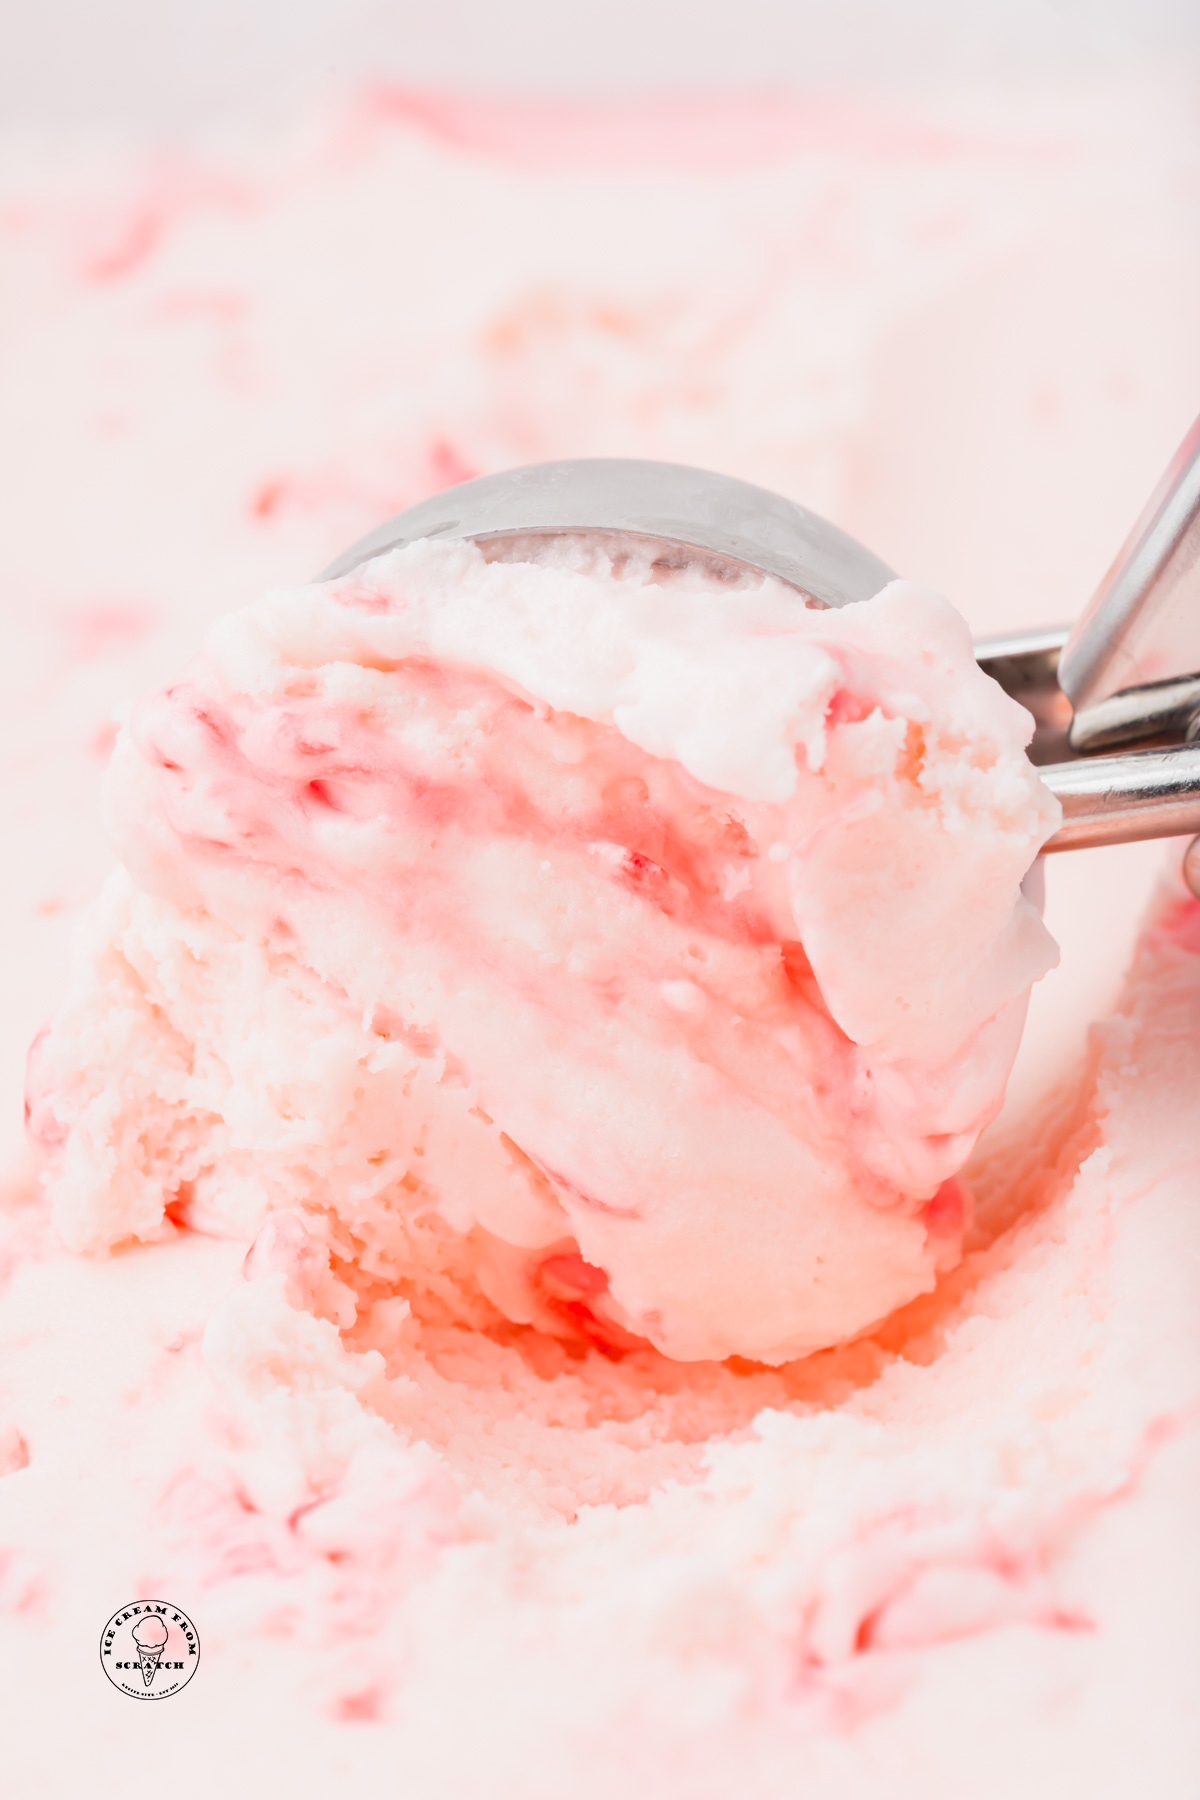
(434, 1547)
(652, 932)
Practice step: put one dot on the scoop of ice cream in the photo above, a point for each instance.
(635, 951)
(150, 1633)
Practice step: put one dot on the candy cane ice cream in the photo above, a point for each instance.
(645, 950)
(510, 1239)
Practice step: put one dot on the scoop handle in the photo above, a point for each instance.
(1121, 799)
(1143, 623)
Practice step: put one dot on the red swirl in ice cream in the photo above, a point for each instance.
(641, 951)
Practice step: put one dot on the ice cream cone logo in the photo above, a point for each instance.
(150, 1649)
(150, 1636)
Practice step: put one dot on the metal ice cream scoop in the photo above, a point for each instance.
(1116, 697)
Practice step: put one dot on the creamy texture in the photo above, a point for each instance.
(429, 1550)
(660, 936)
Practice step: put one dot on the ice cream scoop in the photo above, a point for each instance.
(1139, 623)
(567, 938)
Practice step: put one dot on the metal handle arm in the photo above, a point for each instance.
(1119, 799)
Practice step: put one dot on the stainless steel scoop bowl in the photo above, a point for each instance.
(1124, 759)
(677, 509)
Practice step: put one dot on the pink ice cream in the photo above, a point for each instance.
(660, 939)
(312, 1315)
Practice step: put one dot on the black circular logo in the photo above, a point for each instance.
(150, 1649)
